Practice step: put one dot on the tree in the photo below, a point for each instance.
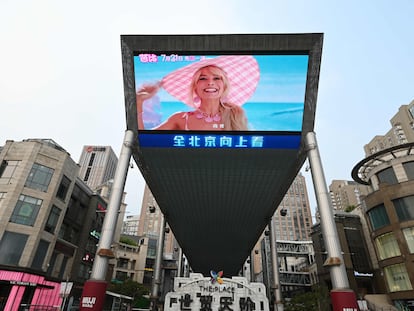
(133, 289)
(315, 300)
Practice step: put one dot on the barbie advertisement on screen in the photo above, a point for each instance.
(263, 93)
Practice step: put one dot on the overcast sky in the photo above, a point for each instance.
(61, 70)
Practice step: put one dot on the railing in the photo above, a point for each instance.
(296, 248)
(375, 307)
(295, 278)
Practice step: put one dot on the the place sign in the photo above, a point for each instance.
(207, 294)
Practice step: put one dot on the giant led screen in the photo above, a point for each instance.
(238, 99)
(221, 91)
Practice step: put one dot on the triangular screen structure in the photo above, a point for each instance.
(219, 147)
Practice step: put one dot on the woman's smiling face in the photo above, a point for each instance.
(209, 85)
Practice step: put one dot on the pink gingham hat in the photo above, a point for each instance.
(242, 72)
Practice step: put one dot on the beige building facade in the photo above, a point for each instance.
(401, 132)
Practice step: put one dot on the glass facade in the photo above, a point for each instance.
(39, 177)
(409, 238)
(378, 217)
(40, 254)
(387, 176)
(404, 208)
(397, 278)
(11, 247)
(409, 169)
(387, 246)
(63, 188)
(26, 210)
(53, 219)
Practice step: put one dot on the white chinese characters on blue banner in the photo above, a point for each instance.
(219, 141)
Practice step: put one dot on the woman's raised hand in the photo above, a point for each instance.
(146, 91)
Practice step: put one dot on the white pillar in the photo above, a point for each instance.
(335, 260)
(104, 253)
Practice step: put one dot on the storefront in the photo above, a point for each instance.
(21, 289)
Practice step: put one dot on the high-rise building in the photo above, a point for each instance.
(130, 225)
(97, 165)
(401, 132)
(150, 221)
(347, 193)
(293, 219)
(292, 223)
(149, 226)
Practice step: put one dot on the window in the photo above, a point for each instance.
(68, 233)
(25, 211)
(11, 247)
(40, 254)
(83, 271)
(88, 172)
(53, 219)
(91, 159)
(409, 169)
(121, 275)
(63, 267)
(39, 177)
(378, 217)
(397, 278)
(411, 110)
(404, 208)
(63, 188)
(52, 263)
(387, 246)
(409, 238)
(387, 176)
(7, 170)
(122, 263)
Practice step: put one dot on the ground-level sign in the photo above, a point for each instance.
(216, 294)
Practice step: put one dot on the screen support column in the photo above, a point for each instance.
(94, 290)
(341, 295)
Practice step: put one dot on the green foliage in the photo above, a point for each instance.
(128, 241)
(133, 289)
(315, 300)
(350, 208)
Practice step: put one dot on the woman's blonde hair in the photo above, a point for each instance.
(233, 116)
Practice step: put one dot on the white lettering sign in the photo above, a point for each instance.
(88, 302)
(203, 293)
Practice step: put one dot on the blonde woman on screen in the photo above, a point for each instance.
(215, 89)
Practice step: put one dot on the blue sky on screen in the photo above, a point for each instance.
(282, 77)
